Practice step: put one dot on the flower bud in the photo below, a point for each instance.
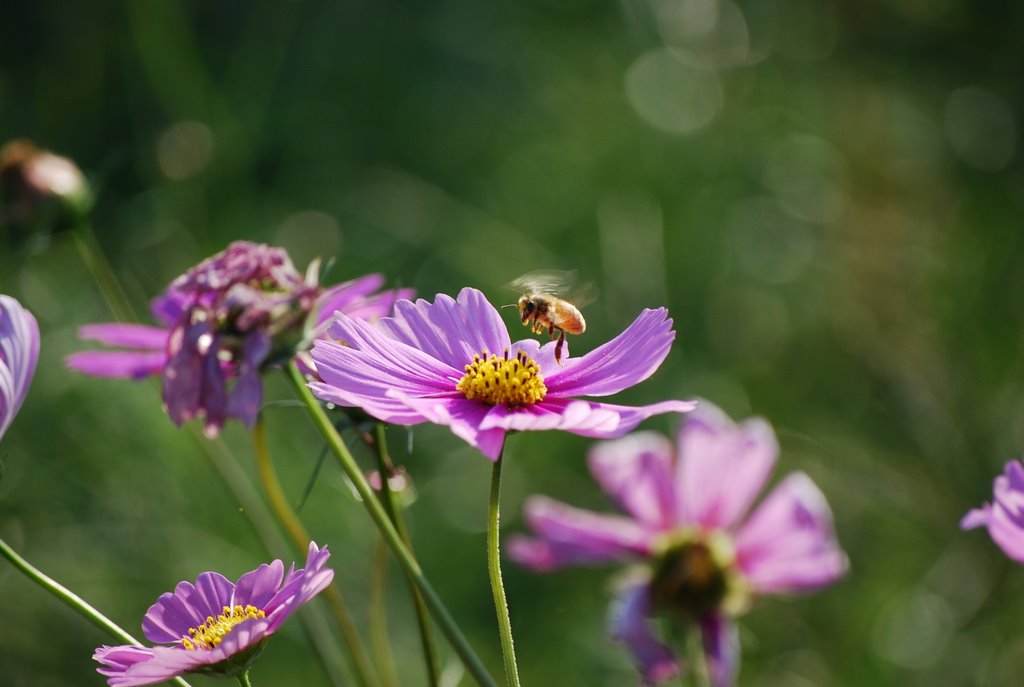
(37, 185)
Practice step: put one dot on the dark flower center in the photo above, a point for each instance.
(689, 580)
(494, 380)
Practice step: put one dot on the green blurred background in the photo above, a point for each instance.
(827, 196)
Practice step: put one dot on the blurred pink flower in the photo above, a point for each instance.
(703, 557)
(224, 321)
(1004, 517)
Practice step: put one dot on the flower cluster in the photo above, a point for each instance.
(703, 558)
(223, 321)
(215, 625)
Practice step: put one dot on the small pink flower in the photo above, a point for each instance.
(452, 362)
(703, 557)
(215, 626)
(1004, 517)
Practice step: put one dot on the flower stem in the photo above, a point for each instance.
(508, 650)
(243, 679)
(300, 538)
(698, 661)
(391, 505)
(379, 640)
(102, 272)
(391, 536)
(77, 603)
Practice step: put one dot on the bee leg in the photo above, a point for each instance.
(558, 348)
(551, 331)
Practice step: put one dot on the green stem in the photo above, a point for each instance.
(508, 650)
(102, 272)
(391, 505)
(289, 520)
(698, 661)
(391, 536)
(71, 599)
(379, 639)
(243, 679)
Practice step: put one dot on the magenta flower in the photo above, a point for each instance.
(453, 363)
(215, 626)
(701, 558)
(223, 322)
(19, 352)
(1004, 518)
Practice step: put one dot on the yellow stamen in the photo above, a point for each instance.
(212, 632)
(494, 380)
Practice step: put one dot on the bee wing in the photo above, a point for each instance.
(582, 295)
(551, 282)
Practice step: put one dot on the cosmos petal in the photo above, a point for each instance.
(625, 361)
(721, 650)
(788, 544)
(572, 536)
(722, 466)
(629, 624)
(636, 471)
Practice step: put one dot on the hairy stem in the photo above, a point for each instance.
(508, 650)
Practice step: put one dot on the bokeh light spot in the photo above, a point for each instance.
(672, 91)
(980, 128)
(184, 149)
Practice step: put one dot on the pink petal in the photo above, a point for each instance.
(721, 467)
(636, 471)
(464, 417)
(339, 296)
(788, 544)
(19, 354)
(367, 372)
(977, 517)
(630, 625)
(258, 586)
(1006, 515)
(721, 650)
(118, 364)
(572, 536)
(452, 331)
(127, 335)
(626, 360)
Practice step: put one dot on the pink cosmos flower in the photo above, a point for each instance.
(701, 557)
(224, 321)
(19, 352)
(453, 363)
(1004, 518)
(215, 626)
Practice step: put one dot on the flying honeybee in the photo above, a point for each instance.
(545, 304)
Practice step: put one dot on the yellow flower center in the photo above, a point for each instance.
(212, 632)
(494, 380)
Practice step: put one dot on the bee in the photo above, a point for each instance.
(541, 306)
